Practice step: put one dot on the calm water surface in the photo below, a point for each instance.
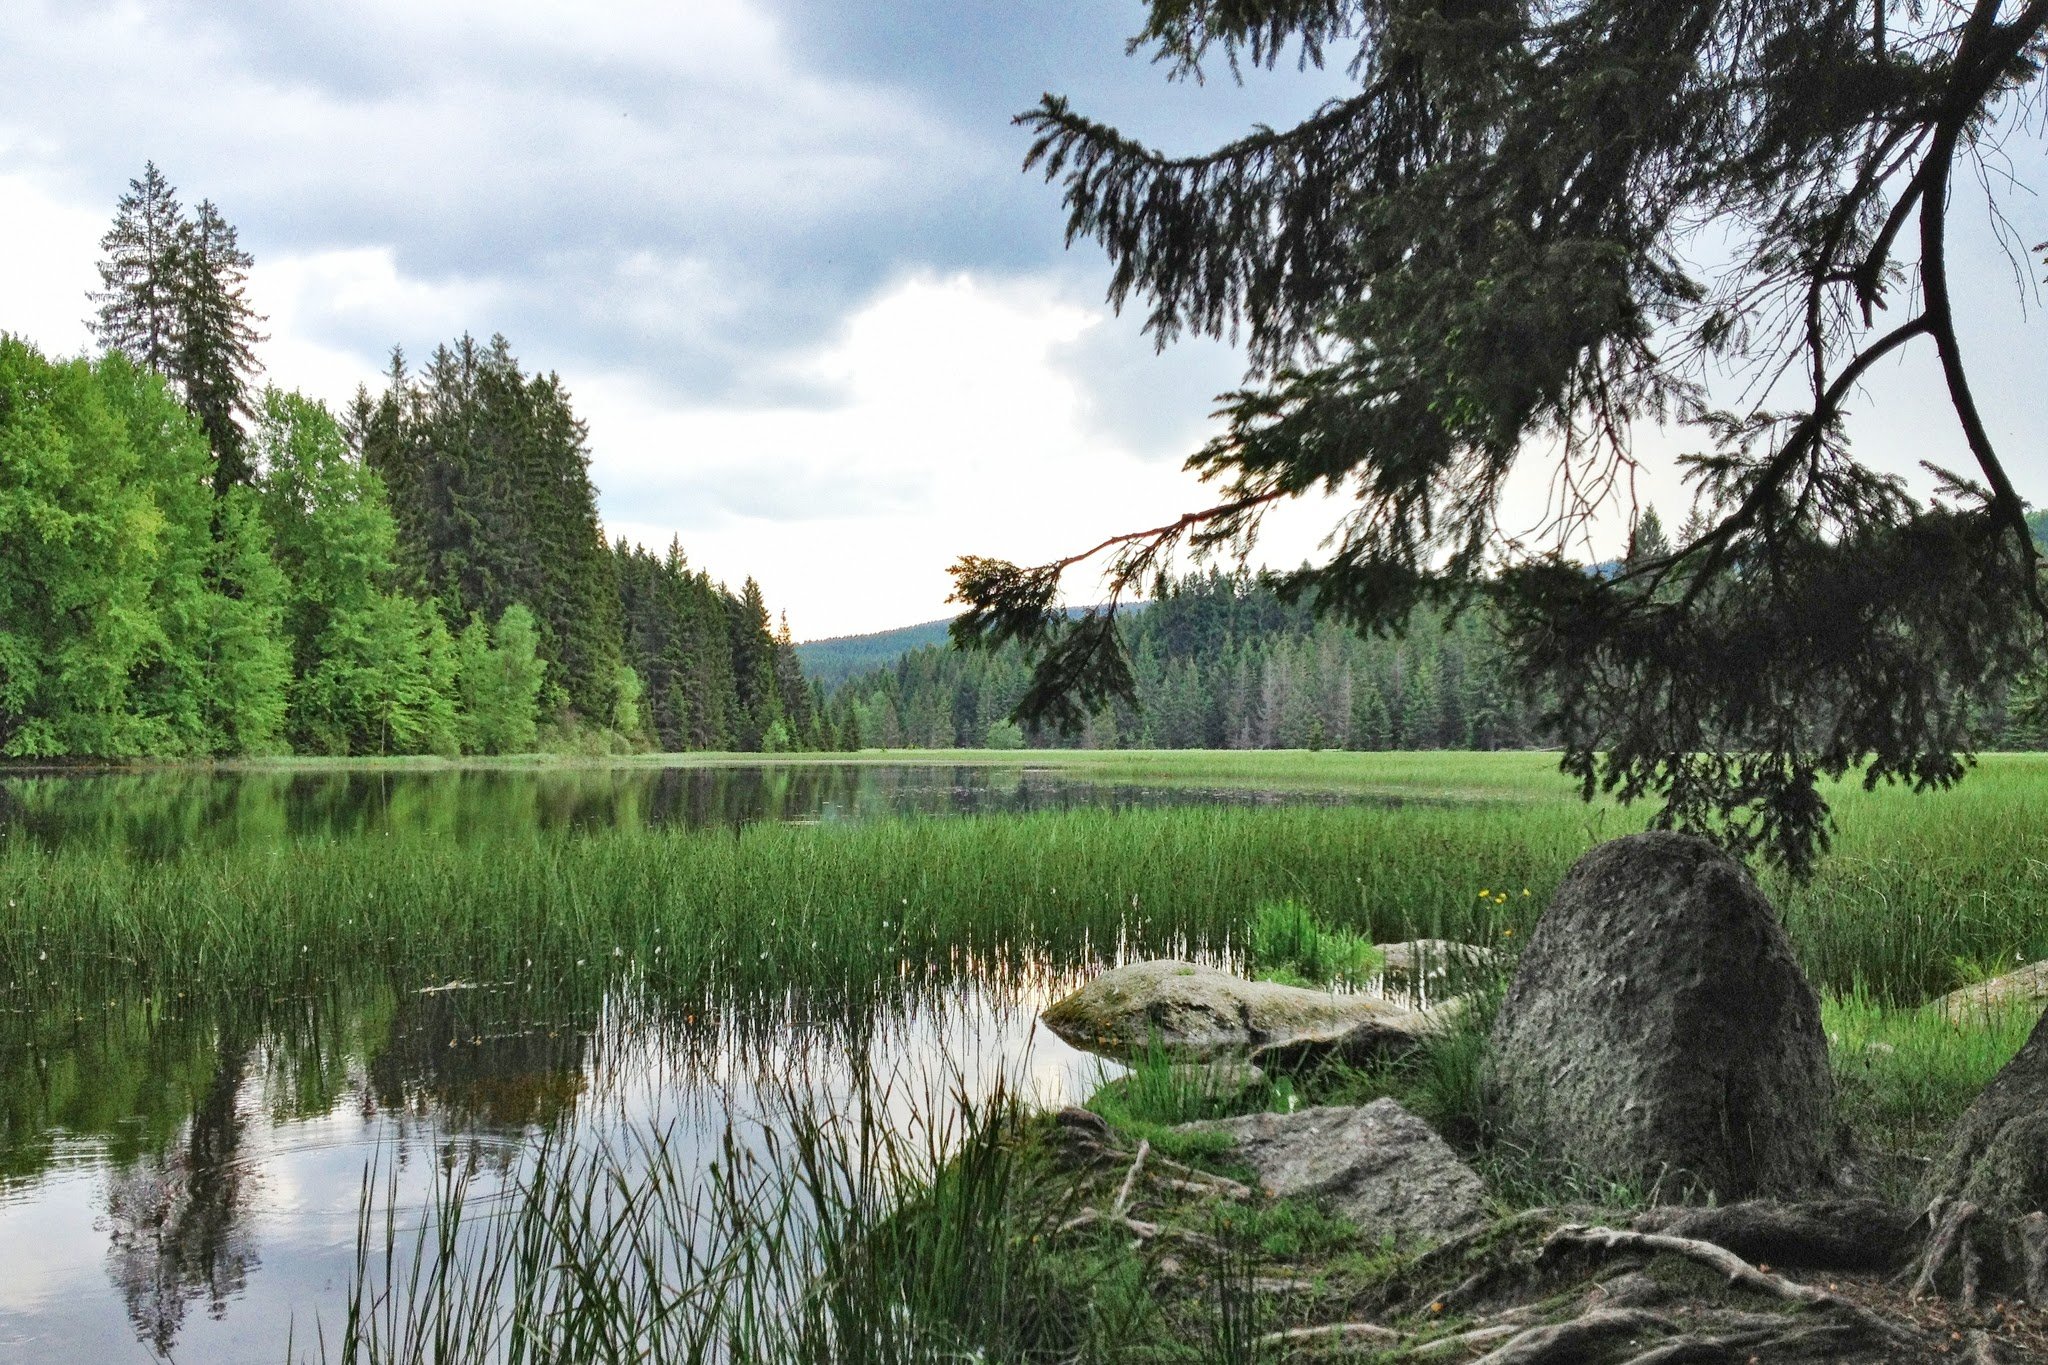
(184, 1185)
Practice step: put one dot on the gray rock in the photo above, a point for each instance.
(1204, 1012)
(1659, 1031)
(1378, 1166)
(2027, 986)
(1372, 1039)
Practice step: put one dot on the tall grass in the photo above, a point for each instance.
(1921, 891)
(830, 1234)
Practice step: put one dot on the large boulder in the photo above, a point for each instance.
(1201, 1011)
(1658, 1030)
(1987, 1194)
(1378, 1166)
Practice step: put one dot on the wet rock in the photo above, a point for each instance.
(1203, 1012)
(1378, 1166)
(2027, 986)
(1658, 1030)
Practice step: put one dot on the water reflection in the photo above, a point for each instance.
(220, 1202)
(182, 1180)
(157, 813)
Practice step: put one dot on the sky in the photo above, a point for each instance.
(822, 329)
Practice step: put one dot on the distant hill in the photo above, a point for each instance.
(831, 662)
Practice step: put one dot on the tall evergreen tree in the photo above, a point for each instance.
(141, 275)
(490, 486)
(215, 353)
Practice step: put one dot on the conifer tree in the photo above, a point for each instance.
(1482, 256)
(142, 273)
(215, 356)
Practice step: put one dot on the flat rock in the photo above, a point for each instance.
(1377, 1165)
(1200, 1011)
(2027, 986)
(1658, 1030)
(1357, 1044)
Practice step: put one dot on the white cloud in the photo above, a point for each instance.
(47, 254)
(956, 426)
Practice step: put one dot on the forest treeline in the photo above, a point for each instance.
(1222, 661)
(193, 563)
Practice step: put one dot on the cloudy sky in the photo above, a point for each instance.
(821, 328)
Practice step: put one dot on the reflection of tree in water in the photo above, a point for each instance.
(480, 1064)
(178, 1220)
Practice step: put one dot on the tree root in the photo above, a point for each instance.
(1573, 1341)
(1951, 1221)
(1142, 1231)
(1346, 1335)
(1846, 1234)
(1737, 1270)
(1123, 1194)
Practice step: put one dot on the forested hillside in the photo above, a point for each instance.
(193, 564)
(1221, 662)
(831, 662)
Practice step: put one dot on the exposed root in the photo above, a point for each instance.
(2033, 1236)
(1123, 1194)
(1465, 1341)
(1706, 1348)
(1337, 1334)
(1951, 1221)
(1574, 1341)
(1737, 1270)
(1841, 1234)
(1141, 1230)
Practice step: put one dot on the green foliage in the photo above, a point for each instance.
(498, 677)
(1286, 943)
(489, 479)
(627, 716)
(173, 298)
(1482, 256)
(250, 668)
(374, 669)
(104, 617)
(713, 675)
(1223, 661)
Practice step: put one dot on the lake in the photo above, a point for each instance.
(182, 1175)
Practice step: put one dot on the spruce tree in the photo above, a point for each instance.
(214, 363)
(1483, 256)
(142, 275)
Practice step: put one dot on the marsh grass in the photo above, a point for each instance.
(1288, 943)
(1922, 892)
